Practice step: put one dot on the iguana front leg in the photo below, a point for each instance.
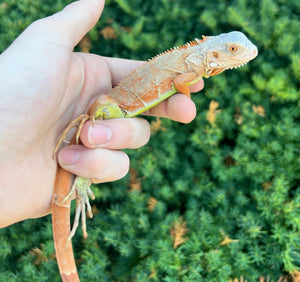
(182, 82)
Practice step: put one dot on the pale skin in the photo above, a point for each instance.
(43, 86)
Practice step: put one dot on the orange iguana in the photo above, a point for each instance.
(164, 75)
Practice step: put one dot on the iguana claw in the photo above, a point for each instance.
(82, 190)
(77, 122)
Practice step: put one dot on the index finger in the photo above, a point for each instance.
(120, 68)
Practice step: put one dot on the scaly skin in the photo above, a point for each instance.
(155, 81)
(61, 226)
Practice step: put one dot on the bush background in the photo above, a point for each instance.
(213, 200)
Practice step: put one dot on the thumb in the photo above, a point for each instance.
(75, 20)
(67, 27)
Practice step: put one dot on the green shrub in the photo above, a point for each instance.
(208, 201)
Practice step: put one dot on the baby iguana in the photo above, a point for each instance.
(164, 75)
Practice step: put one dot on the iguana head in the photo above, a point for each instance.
(226, 51)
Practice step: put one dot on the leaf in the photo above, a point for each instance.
(135, 182)
(212, 112)
(259, 110)
(156, 126)
(152, 203)
(39, 254)
(85, 44)
(108, 33)
(177, 232)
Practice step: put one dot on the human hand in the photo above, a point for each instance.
(44, 85)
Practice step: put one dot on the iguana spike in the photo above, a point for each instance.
(204, 38)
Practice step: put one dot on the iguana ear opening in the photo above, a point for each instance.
(216, 55)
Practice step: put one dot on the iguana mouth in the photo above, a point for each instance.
(244, 63)
(238, 66)
(247, 59)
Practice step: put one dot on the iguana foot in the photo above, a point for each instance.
(82, 190)
(81, 120)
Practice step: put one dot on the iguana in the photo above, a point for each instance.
(162, 76)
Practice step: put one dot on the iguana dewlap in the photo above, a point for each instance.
(162, 76)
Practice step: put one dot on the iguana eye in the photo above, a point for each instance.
(233, 49)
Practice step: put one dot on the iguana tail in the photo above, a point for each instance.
(61, 226)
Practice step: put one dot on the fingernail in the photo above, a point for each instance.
(68, 156)
(99, 134)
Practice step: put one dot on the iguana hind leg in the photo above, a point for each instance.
(81, 188)
(77, 122)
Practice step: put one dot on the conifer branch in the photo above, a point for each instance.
(178, 231)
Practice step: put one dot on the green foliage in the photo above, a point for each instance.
(234, 182)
